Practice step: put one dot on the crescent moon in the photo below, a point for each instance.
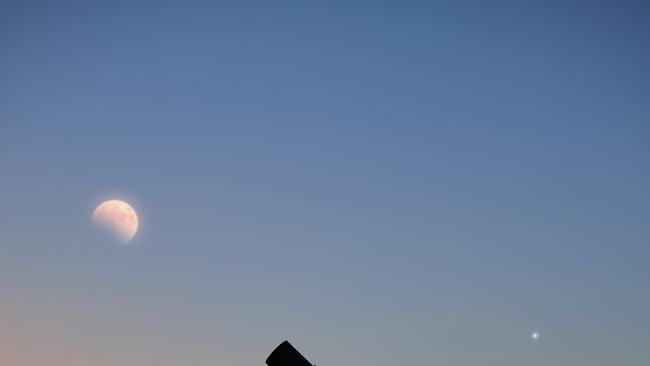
(118, 217)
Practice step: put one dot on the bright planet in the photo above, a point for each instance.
(119, 218)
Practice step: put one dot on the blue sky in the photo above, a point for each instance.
(381, 183)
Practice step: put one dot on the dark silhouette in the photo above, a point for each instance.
(287, 355)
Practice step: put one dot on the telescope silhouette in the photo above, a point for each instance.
(286, 355)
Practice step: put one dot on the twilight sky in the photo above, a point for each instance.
(382, 183)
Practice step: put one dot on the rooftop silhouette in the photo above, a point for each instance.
(286, 355)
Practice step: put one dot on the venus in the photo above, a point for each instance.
(119, 218)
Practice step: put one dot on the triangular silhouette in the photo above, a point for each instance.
(286, 355)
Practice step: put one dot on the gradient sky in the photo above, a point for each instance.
(381, 183)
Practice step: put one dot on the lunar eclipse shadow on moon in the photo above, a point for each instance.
(117, 218)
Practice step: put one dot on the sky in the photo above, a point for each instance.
(378, 182)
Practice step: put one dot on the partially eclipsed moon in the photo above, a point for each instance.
(118, 217)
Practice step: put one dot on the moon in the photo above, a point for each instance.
(118, 217)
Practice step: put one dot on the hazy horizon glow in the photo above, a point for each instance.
(381, 183)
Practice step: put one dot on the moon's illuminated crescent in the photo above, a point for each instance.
(119, 217)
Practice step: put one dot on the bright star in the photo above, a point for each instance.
(534, 336)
